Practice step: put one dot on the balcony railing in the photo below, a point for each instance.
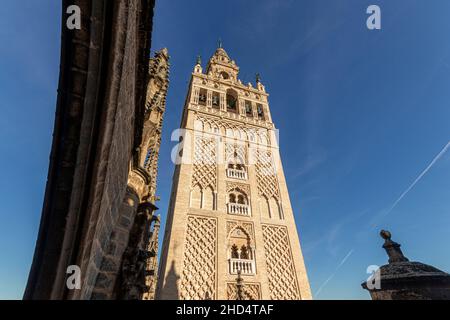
(237, 208)
(246, 267)
(236, 174)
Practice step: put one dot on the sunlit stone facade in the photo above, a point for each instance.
(230, 214)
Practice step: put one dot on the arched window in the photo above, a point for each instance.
(236, 167)
(264, 206)
(245, 253)
(225, 75)
(241, 252)
(215, 100)
(259, 109)
(202, 97)
(238, 196)
(232, 100)
(208, 199)
(234, 252)
(275, 208)
(248, 108)
(196, 197)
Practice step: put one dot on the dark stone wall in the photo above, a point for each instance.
(88, 213)
(424, 293)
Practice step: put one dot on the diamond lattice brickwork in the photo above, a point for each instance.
(266, 175)
(199, 261)
(280, 267)
(205, 164)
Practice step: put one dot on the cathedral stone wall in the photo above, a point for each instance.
(89, 208)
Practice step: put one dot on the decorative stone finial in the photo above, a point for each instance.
(392, 248)
(386, 235)
(239, 285)
(199, 60)
(258, 78)
(219, 43)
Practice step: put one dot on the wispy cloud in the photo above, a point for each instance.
(312, 161)
(329, 241)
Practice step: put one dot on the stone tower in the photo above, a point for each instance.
(230, 215)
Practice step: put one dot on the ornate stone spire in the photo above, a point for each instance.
(392, 248)
(199, 60)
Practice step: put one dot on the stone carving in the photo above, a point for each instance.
(280, 267)
(205, 164)
(266, 175)
(136, 255)
(152, 262)
(246, 226)
(236, 130)
(199, 260)
(236, 152)
(235, 185)
(249, 291)
(137, 181)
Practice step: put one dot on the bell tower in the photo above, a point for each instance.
(229, 215)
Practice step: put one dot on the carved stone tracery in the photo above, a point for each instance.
(249, 291)
(280, 266)
(198, 281)
(266, 175)
(204, 163)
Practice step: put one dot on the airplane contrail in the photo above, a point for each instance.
(440, 154)
(335, 271)
(436, 158)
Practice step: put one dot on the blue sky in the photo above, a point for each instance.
(361, 115)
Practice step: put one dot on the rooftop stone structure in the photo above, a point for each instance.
(402, 279)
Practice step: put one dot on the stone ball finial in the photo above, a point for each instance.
(386, 235)
(392, 248)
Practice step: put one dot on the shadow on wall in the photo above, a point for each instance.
(170, 289)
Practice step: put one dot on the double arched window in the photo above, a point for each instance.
(203, 198)
(243, 252)
(237, 196)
